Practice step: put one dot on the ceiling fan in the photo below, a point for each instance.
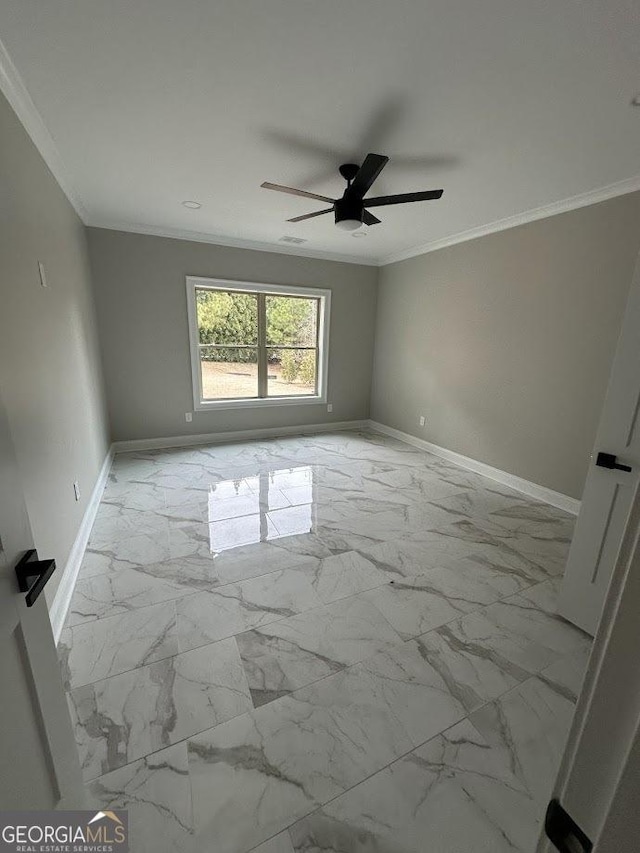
(351, 209)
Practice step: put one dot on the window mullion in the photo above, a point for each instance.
(262, 345)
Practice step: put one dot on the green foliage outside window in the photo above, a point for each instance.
(227, 318)
(298, 365)
(291, 321)
(232, 319)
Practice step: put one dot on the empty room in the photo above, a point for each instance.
(319, 426)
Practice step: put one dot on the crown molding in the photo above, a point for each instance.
(610, 191)
(231, 242)
(15, 91)
(575, 202)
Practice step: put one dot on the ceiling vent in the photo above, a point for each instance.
(296, 240)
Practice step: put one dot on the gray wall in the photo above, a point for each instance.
(142, 315)
(505, 343)
(50, 376)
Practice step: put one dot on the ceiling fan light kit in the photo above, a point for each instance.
(348, 224)
(350, 210)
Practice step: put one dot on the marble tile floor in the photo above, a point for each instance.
(332, 643)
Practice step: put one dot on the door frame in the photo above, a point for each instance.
(604, 738)
(31, 642)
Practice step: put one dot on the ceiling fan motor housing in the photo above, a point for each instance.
(349, 171)
(349, 208)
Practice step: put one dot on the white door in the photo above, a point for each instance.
(39, 767)
(598, 783)
(609, 490)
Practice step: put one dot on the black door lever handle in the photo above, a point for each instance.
(564, 833)
(608, 460)
(28, 567)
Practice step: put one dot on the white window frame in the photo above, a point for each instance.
(324, 297)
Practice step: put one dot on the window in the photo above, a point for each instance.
(255, 344)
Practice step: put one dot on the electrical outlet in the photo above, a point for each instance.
(422, 420)
(329, 407)
(76, 489)
(43, 277)
(188, 416)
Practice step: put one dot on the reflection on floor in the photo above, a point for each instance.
(322, 643)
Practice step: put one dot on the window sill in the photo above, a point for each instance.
(265, 402)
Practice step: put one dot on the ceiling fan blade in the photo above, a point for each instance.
(310, 215)
(427, 195)
(368, 172)
(291, 191)
(369, 218)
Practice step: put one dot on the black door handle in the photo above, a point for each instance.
(27, 567)
(608, 460)
(564, 833)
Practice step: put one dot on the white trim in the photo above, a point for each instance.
(139, 444)
(15, 91)
(199, 404)
(256, 403)
(629, 185)
(62, 599)
(231, 242)
(619, 188)
(533, 490)
(257, 287)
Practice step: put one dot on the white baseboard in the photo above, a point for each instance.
(62, 599)
(232, 436)
(533, 490)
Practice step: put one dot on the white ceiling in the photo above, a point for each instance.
(509, 105)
